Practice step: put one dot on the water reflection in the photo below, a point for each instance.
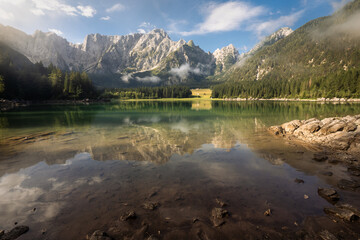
(60, 165)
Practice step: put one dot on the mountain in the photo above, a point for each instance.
(318, 49)
(122, 59)
(225, 58)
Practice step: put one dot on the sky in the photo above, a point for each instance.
(211, 24)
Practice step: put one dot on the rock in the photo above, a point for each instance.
(218, 215)
(320, 157)
(128, 215)
(345, 214)
(348, 207)
(348, 184)
(276, 130)
(15, 233)
(329, 194)
(308, 128)
(290, 127)
(327, 174)
(267, 212)
(326, 235)
(2, 232)
(354, 170)
(299, 181)
(306, 196)
(150, 206)
(350, 127)
(221, 203)
(99, 235)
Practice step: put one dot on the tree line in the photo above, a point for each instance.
(36, 82)
(149, 92)
(341, 84)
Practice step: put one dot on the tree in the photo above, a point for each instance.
(2, 84)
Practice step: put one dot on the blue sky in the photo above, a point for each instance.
(211, 24)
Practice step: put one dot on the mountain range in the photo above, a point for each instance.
(113, 61)
(321, 47)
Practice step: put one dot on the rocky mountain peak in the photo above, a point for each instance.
(269, 40)
(225, 57)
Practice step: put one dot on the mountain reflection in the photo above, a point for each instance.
(143, 131)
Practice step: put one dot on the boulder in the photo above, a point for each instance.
(329, 194)
(348, 184)
(276, 130)
(344, 214)
(15, 233)
(290, 127)
(218, 215)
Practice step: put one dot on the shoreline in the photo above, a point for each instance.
(6, 104)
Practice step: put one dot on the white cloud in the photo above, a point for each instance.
(336, 5)
(107, 18)
(55, 6)
(37, 12)
(116, 8)
(140, 30)
(184, 70)
(126, 78)
(228, 16)
(268, 27)
(6, 15)
(145, 27)
(152, 79)
(87, 11)
(56, 31)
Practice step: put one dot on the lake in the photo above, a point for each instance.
(66, 171)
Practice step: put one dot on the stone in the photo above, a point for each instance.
(276, 130)
(326, 235)
(349, 207)
(329, 194)
(354, 170)
(344, 214)
(128, 215)
(99, 235)
(267, 212)
(299, 181)
(350, 127)
(150, 206)
(320, 157)
(290, 127)
(15, 233)
(329, 174)
(218, 215)
(348, 184)
(221, 203)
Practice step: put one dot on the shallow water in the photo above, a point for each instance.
(66, 171)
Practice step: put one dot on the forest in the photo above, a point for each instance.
(342, 84)
(149, 92)
(36, 82)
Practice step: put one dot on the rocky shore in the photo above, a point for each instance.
(335, 134)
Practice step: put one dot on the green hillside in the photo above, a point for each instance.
(320, 59)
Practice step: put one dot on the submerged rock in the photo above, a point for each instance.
(348, 184)
(128, 215)
(342, 213)
(326, 235)
(99, 235)
(218, 215)
(14, 233)
(150, 206)
(267, 212)
(329, 194)
(299, 181)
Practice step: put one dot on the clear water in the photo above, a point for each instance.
(66, 171)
